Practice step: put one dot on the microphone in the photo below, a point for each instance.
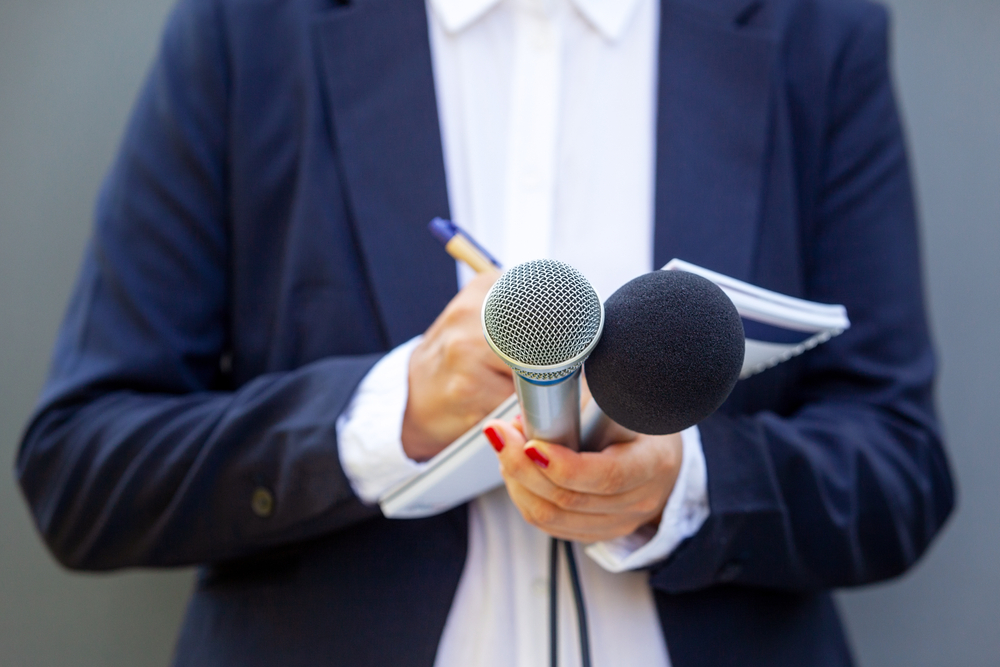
(543, 318)
(670, 354)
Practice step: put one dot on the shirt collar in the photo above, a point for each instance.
(609, 17)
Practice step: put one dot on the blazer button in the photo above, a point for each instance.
(262, 502)
(729, 572)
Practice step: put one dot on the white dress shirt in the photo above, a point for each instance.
(547, 111)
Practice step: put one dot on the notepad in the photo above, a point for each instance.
(777, 327)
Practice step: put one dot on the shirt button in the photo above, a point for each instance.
(540, 586)
(262, 502)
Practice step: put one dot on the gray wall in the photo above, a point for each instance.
(947, 610)
(68, 72)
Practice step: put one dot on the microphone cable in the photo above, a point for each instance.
(581, 607)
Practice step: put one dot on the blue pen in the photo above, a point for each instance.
(461, 246)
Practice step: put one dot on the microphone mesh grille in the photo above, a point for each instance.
(542, 313)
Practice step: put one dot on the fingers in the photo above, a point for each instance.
(563, 511)
(468, 303)
(487, 358)
(569, 525)
(639, 501)
(505, 437)
(458, 333)
(462, 348)
(455, 379)
(615, 470)
(516, 464)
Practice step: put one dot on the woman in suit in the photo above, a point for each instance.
(260, 246)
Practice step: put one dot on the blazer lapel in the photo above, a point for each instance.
(376, 64)
(713, 119)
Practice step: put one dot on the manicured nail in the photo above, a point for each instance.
(494, 438)
(537, 457)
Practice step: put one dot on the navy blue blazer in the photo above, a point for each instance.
(260, 242)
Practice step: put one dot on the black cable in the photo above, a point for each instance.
(554, 602)
(581, 607)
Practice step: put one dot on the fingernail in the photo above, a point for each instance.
(537, 457)
(494, 438)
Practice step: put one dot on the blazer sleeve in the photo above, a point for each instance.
(852, 485)
(136, 454)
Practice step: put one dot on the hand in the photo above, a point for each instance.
(587, 496)
(455, 379)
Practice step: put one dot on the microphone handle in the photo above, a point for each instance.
(551, 412)
(597, 430)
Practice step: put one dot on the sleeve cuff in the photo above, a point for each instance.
(685, 512)
(369, 430)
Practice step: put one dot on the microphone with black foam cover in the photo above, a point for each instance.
(670, 354)
(543, 318)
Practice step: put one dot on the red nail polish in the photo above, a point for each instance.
(494, 438)
(537, 457)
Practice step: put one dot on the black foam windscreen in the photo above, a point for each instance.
(670, 354)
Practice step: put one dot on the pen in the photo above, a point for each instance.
(461, 246)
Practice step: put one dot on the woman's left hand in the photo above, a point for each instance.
(587, 496)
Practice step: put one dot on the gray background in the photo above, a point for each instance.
(68, 72)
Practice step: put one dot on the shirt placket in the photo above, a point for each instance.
(529, 193)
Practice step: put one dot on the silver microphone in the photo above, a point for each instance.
(543, 318)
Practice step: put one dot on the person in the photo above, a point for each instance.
(264, 336)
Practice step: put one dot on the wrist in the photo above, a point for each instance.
(418, 444)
